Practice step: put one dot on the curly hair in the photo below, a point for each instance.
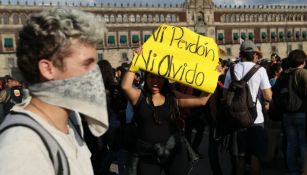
(48, 35)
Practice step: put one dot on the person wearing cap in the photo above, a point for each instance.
(252, 140)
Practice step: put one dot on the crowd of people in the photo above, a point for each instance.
(104, 120)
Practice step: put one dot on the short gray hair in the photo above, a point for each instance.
(48, 35)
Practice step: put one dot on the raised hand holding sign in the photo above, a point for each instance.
(179, 54)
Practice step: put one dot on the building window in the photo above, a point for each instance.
(222, 18)
(237, 18)
(289, 34)
(243, 36)
(233, 17)
(251, 36)
(156, 18)
(263, 35)
(168, 18)
(174, 18)
(220, 37)
(277, 18)
(300, 46)
(273, 35)
(6, 18)
(235, 36)
(161, 18)
(304, 34)
(149, 18)
(242, 18)
(112, 18)
(132, 18)
(125, 18)
(138, 18)
(119, 18)
(23, 19)
(111, 39)
(281, 35)
(228, 18)
(269, 18)
(251, 18)
(260, 17)
(123, 39)
(135, 39)
(8, 42)
(106, 18)
(246, 18)
(144, 19)
(297, 34)
(15, 19)
(146, 37)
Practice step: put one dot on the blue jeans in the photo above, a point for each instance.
(295, 128)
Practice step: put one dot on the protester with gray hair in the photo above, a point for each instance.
(56, 54)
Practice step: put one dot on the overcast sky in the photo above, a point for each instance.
(238, 2)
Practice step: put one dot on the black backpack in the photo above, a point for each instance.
(285, 97)
(241, 111)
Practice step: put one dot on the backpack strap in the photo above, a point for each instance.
(251, 72)
(232, 73)
(56, 152)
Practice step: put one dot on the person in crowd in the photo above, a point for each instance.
(251, 141)
(274, 128)
(194, 120)
(11, 94)
(275, 58)
(159, 145)
(218, 142)
(56, 54)
(295, 122)
(101, 147)
(274, 72)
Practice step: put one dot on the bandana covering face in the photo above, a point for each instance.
(85, 94)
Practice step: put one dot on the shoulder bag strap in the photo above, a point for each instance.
(56, 152)
(232, 73)
(251, 72)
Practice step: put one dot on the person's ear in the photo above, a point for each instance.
(46, 69)
(255, 57)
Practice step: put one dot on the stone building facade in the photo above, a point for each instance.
(274, 28)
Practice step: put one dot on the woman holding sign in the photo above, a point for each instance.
(160, 145)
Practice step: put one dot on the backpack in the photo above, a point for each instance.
(56, 153)
(285, 97)
(240, 109)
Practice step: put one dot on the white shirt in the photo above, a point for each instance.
(259, 80)
(23, 152)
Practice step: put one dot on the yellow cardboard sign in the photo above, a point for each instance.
(179, 54)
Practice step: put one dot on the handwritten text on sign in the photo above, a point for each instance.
(179, 54)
